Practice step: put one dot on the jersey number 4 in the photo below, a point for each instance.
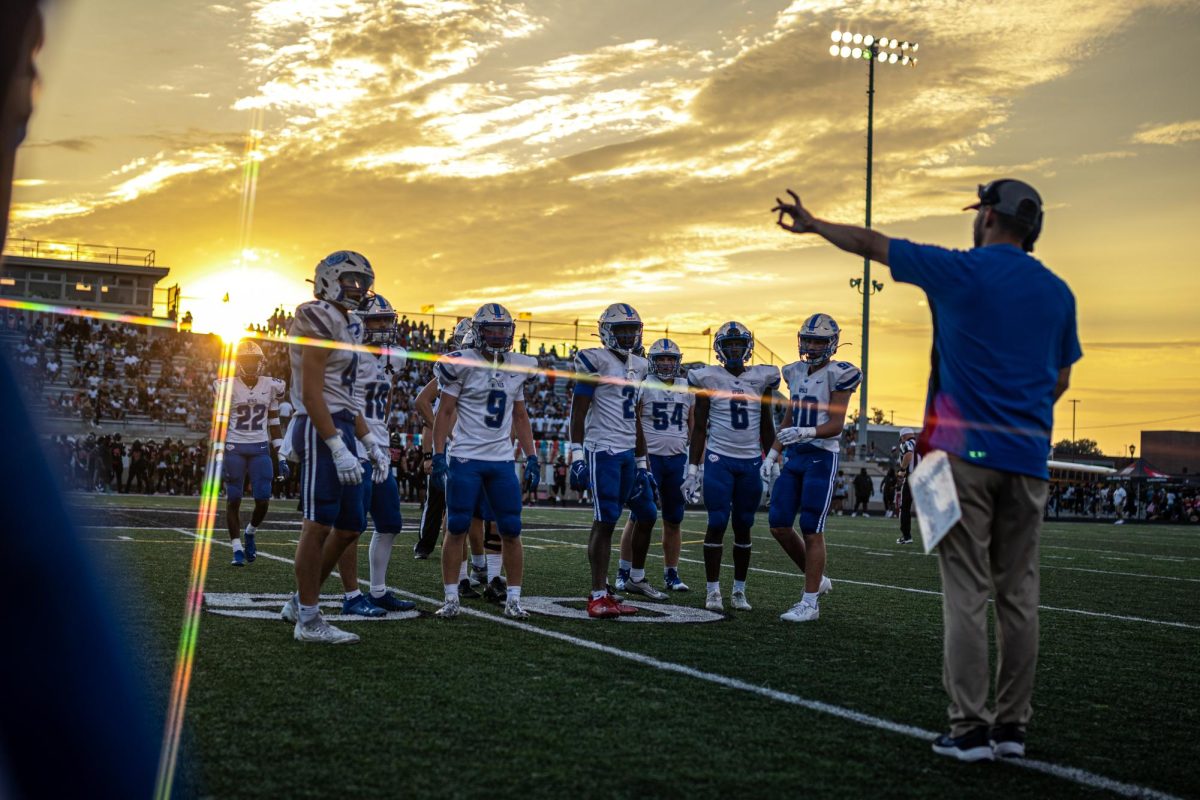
(496, 402)
(662, 420)
(250, 417)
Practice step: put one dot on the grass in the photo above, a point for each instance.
(477, 708)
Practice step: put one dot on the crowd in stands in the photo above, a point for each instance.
(1154, 502)
(108, 464)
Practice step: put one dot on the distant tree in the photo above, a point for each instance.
(877, 416)
(1079, 447)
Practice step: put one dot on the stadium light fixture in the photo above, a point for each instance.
(881, 49)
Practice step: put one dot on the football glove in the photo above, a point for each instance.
(770, 466)
(533, 471)
(381, 461)
(348, 468)
(646, 477)
(580, 477)
(285, 470)
(439, 468)
(691, 484)
(790, 436)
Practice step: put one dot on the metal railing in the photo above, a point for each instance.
(78, 251)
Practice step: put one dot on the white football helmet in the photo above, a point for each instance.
(344, 278)
(250, 359)
(378, 321)
(493, 328)
(665, 358)
(817, 339)
(733, 344)
(463, 337)
(621, 328)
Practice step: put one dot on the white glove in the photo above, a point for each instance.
(790, 436)
(399, 356)
(769, 468)
(576, 453)
(691, 484)
(348, 469)
(381, 462)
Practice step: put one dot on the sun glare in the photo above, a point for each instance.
(226, 301)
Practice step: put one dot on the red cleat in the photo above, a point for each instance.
(602, 608)
(622, 608)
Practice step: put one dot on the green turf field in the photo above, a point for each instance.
(744, 706)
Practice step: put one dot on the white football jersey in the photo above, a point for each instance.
(665, 410)
(374, 387)
(735, 407)
(252, 409)
(611, 421)
(318, 319)
(486, 394)
(809, 394)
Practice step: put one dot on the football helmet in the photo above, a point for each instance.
(665, 358)
(621, 328)
(733, 344)
(250, 359)
(817, 339)
(463, 337)
(493, 329)
(344, 278)
(378, 321)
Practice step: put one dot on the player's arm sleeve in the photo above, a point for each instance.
(585, 374)
(449, 374)
(937, 270)
(848, 378)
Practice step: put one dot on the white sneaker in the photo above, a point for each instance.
(291, 610)
(801, 612)
(739, 601)
(318, 630)
(713, 601)
(451, 609)
(1119, 522)
(512, 608)
(644, 588)
(826, 586)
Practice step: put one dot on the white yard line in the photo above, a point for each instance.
(1075, 775)
(911, 590)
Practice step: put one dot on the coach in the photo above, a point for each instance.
(1004, 340)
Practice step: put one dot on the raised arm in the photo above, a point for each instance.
(851, 238)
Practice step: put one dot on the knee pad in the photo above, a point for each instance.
(743, 520)
(509, 525)
(741, 536)
(458, 522)
(719, 519)
(809, 523)
(233, 491)
(714, 537)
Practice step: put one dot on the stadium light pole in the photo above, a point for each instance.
(871, 49)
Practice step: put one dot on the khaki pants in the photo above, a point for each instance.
(992, 551)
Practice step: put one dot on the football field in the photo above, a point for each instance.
(675, 702)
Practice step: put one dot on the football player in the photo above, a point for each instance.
(327, 422)
(608, 452)
(733, 427)
(381, 496)
(666, 410)
(483, 403)
(252, 441)
(909, 458)
(819, 390)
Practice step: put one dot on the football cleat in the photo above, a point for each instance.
(622, 579)
(362, 606)
(672, 582)
(713, 601)
(291, 609)
(389, 602)
(971, 746)
(251, 547)
(903, 540)
(739, 601)
(239, 559)
(465, 590)
(318, 630)
(644, 588)
(613, 592)
(451, 609)
(622, 608)
(478, 576)
(826, 586)
(496, 591)
(512, 608)
(801, 612)
(602, 607)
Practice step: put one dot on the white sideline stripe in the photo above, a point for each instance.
(911, 590)
(1073, 774)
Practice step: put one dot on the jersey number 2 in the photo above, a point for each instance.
(250, 417)
(630, 395)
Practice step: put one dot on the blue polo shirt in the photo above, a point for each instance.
(1003, 327)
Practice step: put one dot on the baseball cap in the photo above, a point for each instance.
(1012, 197)
(907, 432)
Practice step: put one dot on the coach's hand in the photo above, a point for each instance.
(802, 221)
(348, 468)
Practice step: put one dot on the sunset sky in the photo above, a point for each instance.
(558, 155)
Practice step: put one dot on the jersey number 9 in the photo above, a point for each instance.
(496, 402)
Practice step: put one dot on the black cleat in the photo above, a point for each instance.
(466, 592)
(496, 591)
